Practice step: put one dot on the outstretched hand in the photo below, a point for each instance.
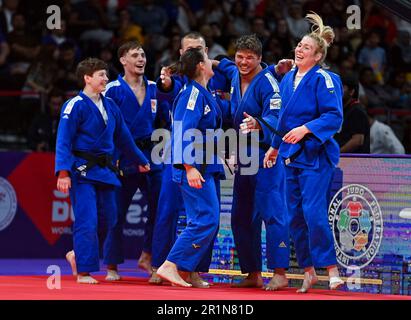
(165, 76)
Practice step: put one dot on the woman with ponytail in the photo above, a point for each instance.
(195, 112)
(310, 115)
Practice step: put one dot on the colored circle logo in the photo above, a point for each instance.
(356, 221)
(8, 203)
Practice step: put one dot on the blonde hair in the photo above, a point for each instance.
(323, 35)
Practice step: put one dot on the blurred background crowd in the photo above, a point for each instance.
(37, 65)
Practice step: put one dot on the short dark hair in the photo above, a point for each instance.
(192, 35)
(351, 82)
(189, 61)
(127, 46)
(88, 67)
(249, 42)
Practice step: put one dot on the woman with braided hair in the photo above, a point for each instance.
(311, 110)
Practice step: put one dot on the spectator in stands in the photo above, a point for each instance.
(238, 24)
(401, 52)
(23, 46)
(91, 25)
(8, 9)
(56, 36)
(106, 55)
(373, 55)
(283, 35)
(43, 129)
(400, 91)
(66, 76)
(180, 12)
(373, 95)
(214, 48)
(381, 20)
(273, 52)
(259, 28)
(383, 139)
(170, 55)
(4, 51)
(39, 82)
(212, 12)
(128, 30)
(354, 136)
(296, 23)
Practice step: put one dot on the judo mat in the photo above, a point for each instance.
(29, 279)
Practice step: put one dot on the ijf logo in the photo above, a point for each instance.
(356, 221)
(8, 203)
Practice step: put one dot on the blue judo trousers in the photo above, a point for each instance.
(83, 129)
(317, 104)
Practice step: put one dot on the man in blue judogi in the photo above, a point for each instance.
(170, 200)
(90, 129)
(136, 98)
(255, 104)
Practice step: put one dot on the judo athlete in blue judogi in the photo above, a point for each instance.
(171, 204)
(312, 113)
(196, 111)
(136, 98)
(258, 196)
(90, 129)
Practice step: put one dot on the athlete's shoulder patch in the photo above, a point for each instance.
(193, 98)
(153, 105)
(272, 81)
(71, 104)
(206, 109)
(328, 80)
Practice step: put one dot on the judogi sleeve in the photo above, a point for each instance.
(194, 109)
(227, 67)
(124, 141)
(271, 104)
(169, 95)
(277, 76)
(330, 109)
(70, 119)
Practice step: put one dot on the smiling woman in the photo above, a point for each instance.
(312, 100)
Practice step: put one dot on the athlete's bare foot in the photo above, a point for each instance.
(155, 279)
(310, 279)
(144, 262)
(71, 259)
(277, 282)
(334, 278)
(85, 278)
(197, 282)
(168, 271)
(112, 275)
(253, 280)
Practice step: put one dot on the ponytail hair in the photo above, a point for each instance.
(323, 35)
(187, 65)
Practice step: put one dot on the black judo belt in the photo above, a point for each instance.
(104, 160)
(278, 133)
